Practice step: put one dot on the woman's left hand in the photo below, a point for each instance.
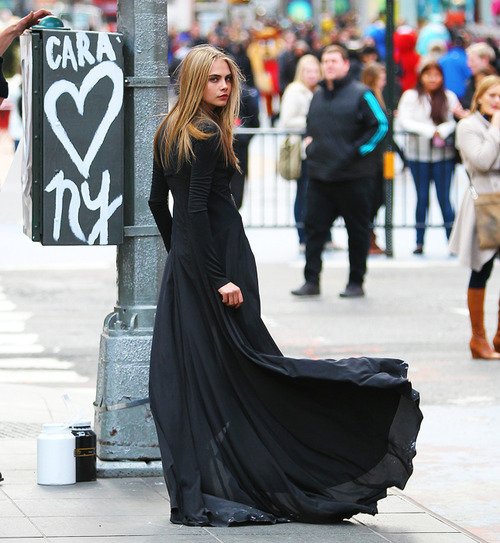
(231, 295)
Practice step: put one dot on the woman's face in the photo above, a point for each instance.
(431, 79)
(490, 100)
(219, 84)
(311, 75)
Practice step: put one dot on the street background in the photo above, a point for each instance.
(53, 301)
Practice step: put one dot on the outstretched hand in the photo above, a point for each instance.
(231, 295)
(13, 31)
(30, 20)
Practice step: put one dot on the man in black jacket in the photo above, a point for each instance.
(249, 118)
(345, 124)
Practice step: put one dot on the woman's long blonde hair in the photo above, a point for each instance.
(187, 117)
(485, 84)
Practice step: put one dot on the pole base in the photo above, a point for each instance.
(123, 421)
(112, 469)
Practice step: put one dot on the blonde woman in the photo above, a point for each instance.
(246, 434)
(294, 107)
(478, 140)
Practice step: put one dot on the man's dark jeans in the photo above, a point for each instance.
(349, 199)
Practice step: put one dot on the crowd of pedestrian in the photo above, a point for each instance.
(330, 82)
(445, 79)
(438, 69)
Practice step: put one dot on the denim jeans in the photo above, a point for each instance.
(299, 207)
(441, 173)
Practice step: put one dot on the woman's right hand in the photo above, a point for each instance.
(231, 295)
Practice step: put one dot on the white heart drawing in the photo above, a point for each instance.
(57, 89)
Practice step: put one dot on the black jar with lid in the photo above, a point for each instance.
(85, 451)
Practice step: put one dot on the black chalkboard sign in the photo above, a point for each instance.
(78, 137)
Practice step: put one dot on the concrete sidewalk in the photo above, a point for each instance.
(136, 510)
(414, 310)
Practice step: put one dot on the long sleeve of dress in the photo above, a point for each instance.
(158, 203)
(206, 153)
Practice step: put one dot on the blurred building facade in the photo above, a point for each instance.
(183, 13)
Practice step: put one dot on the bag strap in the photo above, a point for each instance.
(473, 192)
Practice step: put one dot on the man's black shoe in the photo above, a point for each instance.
(1, 478)
(307, 289)
(352, 291)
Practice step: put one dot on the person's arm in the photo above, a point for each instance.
(375, 123)
(448, 127)
(158, 203)
(481, 152)
(206, 153)
(249, 114)
(252, 115)
(204, 162)
(406, 108)
(13, 31)
(310, 113)
(469, 93)
(290, 114)
(8, 35)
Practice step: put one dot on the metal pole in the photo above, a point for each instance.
(389, 153)
(123, 421)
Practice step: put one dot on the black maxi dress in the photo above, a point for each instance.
(246, 434)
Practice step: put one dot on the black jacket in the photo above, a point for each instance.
(346, 124)
(470, 89)
(4, 88)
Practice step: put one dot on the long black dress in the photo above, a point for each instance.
(247, 434)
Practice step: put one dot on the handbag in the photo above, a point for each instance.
(290, 159)
(487, 208)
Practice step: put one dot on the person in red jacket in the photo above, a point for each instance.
(405, 56)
